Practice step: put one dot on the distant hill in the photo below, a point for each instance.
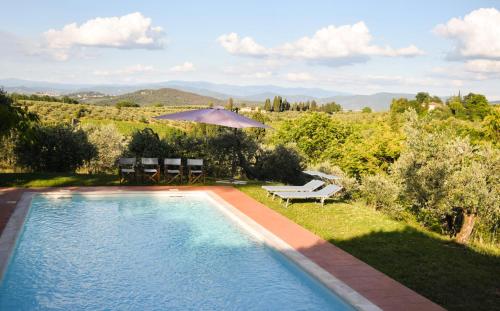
(192, 92)
(378, 101)
(165, 96)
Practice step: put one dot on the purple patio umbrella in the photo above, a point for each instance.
(217, 116)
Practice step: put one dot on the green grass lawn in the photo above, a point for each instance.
(456, 277)
(453, 276)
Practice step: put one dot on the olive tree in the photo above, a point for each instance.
(109, 144)
(447, 181)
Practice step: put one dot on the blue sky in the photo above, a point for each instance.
(359, 47)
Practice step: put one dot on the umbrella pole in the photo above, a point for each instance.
(233, 164)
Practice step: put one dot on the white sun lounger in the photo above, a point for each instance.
(322, 175)
(321, 194)
(310, 186)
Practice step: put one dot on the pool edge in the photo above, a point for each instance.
(339, 288)
(12, 231)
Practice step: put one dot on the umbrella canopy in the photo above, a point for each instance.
(217, 116)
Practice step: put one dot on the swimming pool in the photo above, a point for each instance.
(150, 252)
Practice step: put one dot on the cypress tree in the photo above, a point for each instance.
(267, 105)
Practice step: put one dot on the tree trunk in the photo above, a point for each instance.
(466, 229)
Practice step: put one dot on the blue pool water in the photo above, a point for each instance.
(141, 252)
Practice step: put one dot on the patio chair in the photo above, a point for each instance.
(172, 169)
(150, 169)
(321, 194)
(195, 170)
(126, 168)
(310, 186)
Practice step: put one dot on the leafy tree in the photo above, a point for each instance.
(401, 105)
(423, 98)
(477, 106)
(147, 144)
(280, 164)
(59, 148)
(13, 117)
(256, 132)
(436, 99)
(125, 103)
(491, 125)
(456, 107)
(312, 134)
(366, 110)
(331, 107)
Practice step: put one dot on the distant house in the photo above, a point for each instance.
(246, 109)
(47, 94)
(433, 105)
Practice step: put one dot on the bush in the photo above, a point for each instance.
(382, 193)
(280, 164)
(350, 185)
(147, 144)
(58, 148)
(109, 143)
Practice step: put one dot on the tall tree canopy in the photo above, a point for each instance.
(13, 117)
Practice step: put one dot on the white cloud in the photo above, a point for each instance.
(485, 66)
(299, 76)
(184, 67)
(244, 46)
(477, 35)
(347, 43)
(132, 31)
(130, 70)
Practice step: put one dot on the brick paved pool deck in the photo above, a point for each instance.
(380, 289)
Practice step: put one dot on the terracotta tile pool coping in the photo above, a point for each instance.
(367, 281)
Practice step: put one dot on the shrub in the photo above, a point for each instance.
(280, 164)
(146, 143)
(350, 185)
(382, 193)
(109, 143)
(59, 148)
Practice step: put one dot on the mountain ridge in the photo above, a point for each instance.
(213, 92)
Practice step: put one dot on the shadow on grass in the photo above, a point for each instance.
(454, 276)
(55, 180)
